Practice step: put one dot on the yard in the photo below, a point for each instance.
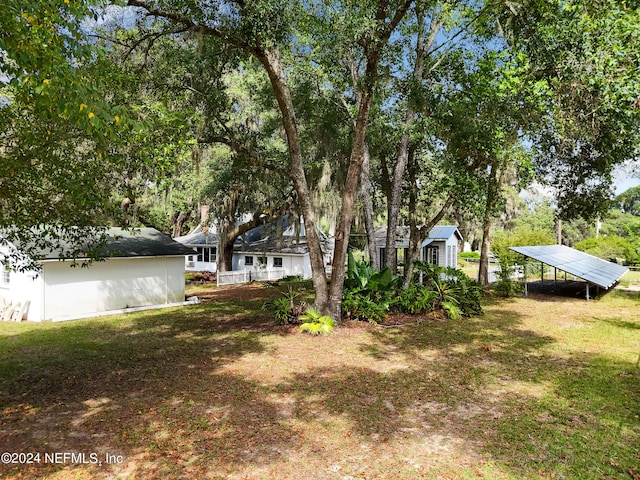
(542, 387)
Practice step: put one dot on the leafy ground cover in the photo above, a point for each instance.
(543, 387)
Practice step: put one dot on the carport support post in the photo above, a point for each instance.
(588, 291)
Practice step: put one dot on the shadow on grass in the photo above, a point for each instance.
(488, 382)
(163, 391)
(137, 385)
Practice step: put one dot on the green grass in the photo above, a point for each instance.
(542, 387)
(632, 277)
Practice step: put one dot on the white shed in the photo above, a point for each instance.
(142, 268)
(440, 247)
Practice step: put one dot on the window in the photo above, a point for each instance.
(6, 275)
(206, 254)
(433, 255)
(451, 256)
(262, 261)
(277, 262)
(248, 261)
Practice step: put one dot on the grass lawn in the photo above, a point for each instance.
(543, 387)
(631, 278)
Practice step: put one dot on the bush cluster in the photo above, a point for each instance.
(369, 295)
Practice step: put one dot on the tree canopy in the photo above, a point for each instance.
(438, 108)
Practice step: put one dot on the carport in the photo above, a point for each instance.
(593, 270)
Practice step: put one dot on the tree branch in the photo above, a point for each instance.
(240, 149)
(189, 24)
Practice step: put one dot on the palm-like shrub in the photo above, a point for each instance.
(316, 324)
(286, 309)
(368, 294)
(454, 291)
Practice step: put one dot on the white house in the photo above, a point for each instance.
(142, 268)
(205, 243)
(288, 252)
(440, 247)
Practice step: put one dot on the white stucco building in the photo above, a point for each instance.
(141, 268)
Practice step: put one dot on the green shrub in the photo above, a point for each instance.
(285, 309)
(358, 306)
(453, 290)
(505, 286)
(368, 295)
(610, 248)
(316, 324)
(416, 299)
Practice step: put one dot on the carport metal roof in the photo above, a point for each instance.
(582, 265)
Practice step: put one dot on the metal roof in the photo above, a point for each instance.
(582, 265)
(444, 232)
(439, 233)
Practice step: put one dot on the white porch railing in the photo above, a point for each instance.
(245, 276)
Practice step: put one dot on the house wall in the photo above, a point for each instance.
(441, 252)
(25, 286)
(451, 247)
(195, 266)
(292, 264)
(110, 285)
(447, 252)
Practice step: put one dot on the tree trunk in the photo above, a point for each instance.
(228, 235)
(179, 222)
(493, 191)
(395, 198)
(415, 240)
(225, 259)
(373, 51)
(365, 191)
(334, 308)
(483, 270)
(414, 233)
(393, 203)
(272, 63)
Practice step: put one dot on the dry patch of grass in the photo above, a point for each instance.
(535, 388)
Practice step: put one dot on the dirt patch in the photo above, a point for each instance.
(252, 292)
(402, 319)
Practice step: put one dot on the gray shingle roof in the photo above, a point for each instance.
(287, 246)
(199, 239)
(138, 242)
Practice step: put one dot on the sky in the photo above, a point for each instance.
(626, 176)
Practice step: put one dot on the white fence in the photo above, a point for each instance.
(245, 276)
